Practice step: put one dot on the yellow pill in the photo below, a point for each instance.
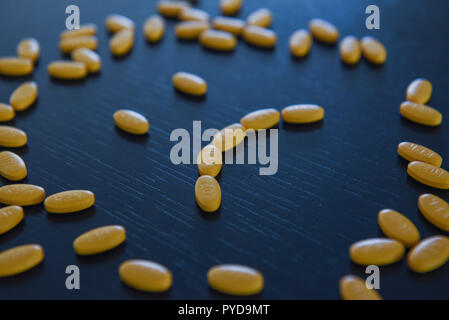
(261, 18)
(99, 240)
(67, 45)
(28, 48)
(350, 50)
(192, 14)
(7, 112)
(90, 58)
(429, 254)
(419, 91)
(117, 22)
(428, 174)
(415, 152)
(235, 279)
(435, 210)
(373, 50)
(230, 7)
(122, 42)
(323, 31)
(209, 161)
(69, 201)
(22, 194)
(302, 113)
(218, 40)
(396, 226)
(260, 37)
(84, 30)
(189, 83)
(420, 113)
(354, 288)
(12, 137)
(145, 275)
(20, 259)
(376, 251)
(300, 43)
(207, 193)
(190, 30)
(170, 8)
(154, 28)
(261, 119)
(24, 96)
(69, 70)
(12, 167)
(229, 137)
(131, 121)
(12, 66)
(10, 217)
(232, 25)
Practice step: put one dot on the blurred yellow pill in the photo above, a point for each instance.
(373, 50)
(145, 275)
(193, 14)
(376, 251)
(7, 112)
(398, 227)
(261, 119)
(419, 91)
(300, 43)
(24, 96)
(350, 50)
(428, 174)
(99, 240)
(190, 30)
(69, 44)
(230, 7)
(232, 25)
(90, 58)
(131, 121)
(429, 254)
(209, 161)
(28, 48)
(323, 31)
(218, 40)
(172, 8)
(20, 259)
(16, 66)
(154, 28)
(435, 210)
(84, 30)
(260, 37)
(12, 137)
(354, 288)
(122, 42)
(22, 194)
(261, 18)
(235, 279)
(69, 70)
(12, 166)
(229, 137)
(207, 193)
(189, 83)
(302, 113)
(10, 217)
(117, 22)
(69, 201)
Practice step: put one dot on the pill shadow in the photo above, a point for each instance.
(29, 210)
(403, 163)
(189, 97)
(138, 294)
(349, 66)
(71, 217)
(429, 227)
(101, 257)
(300, 59)
(67, 82)
(222, 296)
(419, 127)
(13, 233)
(29, 111)
(302, 127)
(23, 277)
(375, 66)
(136, 138)
(422, 188)
(219, 52)
(16, 79)
(122, 57)
(261, 49)
(208, 216)
(6, 181)
(393, 268)
(21, 151)
(428, 277)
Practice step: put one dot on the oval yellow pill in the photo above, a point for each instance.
(350, 50)
(193, 14)
(354, 288)
(84, 30)
(261, 119)
(419, 91)
(429, 254)
(235, 279)
(261, 18)
(230, 7)
(67, 45)
(131, 121)
(302, 113)
(20, 259)
(24, 96)
(12, 137)
(21, 194)
(12, 167)
(428, 174)
(376, 251)
(229, 137)
(300, 43)
(260, 37)
(323, 31)
(373, 50)
(414, 152)
(190, 30)
(209, 161)
(218, 40)
(145, 275)
(122, 42)
(90, 58)
(154, 28)
(420, 113)
(170, 8)
(116, 22)
(69, 201)
(207, 193)
(99, 240)
(10, 217)
(189, 83)
(13, 66)
(232, 25)
(28, 48)
(69, 70)
(7, 113)
(396, 226)
(435, 210)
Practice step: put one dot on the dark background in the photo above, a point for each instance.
(295, 226)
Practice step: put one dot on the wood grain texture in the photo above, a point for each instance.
(295, 226)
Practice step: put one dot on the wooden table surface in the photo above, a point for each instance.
(295, 226)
